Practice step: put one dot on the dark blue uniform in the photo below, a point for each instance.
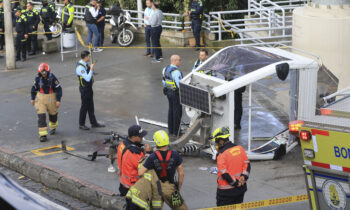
(33, 22)
(153, 162)
(171, 78)
(101, 26)
(21, 41)
(197, 17)
(48, 17)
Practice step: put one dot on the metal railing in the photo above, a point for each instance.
(265, 22)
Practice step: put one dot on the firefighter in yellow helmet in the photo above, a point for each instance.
(165, 162)
(233, 169)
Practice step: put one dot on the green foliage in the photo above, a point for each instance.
(81, 2)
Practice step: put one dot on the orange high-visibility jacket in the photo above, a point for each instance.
(234, 161)
(129, 156)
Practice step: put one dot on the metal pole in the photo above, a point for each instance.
(231, 115)
(219, 17)
(250, 117)
(139, 12)
(9, 47)
(62, 51)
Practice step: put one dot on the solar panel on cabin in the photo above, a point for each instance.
(195, 97)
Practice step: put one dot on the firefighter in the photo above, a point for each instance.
(129, 154)
(2, 26)
(203, 56)
(22, 35)
(166, 162)
(171, 83)
(48, 17)
(46, 96)
(196, 14)
(233, 169)
(33, 22)
(67, 14)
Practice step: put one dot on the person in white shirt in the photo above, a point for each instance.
(147, 16)
(91, 13)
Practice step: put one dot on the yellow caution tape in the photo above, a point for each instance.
(38, 33)
(117, 47)
(263, 203)
(223, 27)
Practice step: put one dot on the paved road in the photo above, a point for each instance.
(127, 84)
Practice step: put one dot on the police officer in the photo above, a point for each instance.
(130, 152)
(166, 162)
(46, 96)
(233, 169)
(101, 22)
(48, 17)
(203, 56)
(171, 83)
(33, 22)
(196, 14)
(2, 26)
(22, 35)
(86, 80)
(67, 14)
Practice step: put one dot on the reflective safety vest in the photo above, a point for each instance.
(168, 77)
(197, 63)
(68, 14)
(234, 161)
(163, 165)
(31, 14)
(129, 164)
(82, 82)
(145, 193)
(51, 84)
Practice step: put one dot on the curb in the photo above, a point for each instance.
(65, 183)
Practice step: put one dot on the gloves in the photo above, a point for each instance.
(235, 183)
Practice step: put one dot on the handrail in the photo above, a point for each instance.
(263, 21)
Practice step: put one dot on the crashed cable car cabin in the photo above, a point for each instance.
(274, 79)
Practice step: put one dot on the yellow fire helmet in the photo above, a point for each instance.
(221, 133)
(161, 138)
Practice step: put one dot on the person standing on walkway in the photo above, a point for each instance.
(196, 14)
(67, 15)
(48, 18)
(233, 169)
(101, 23)
(33, 22)
(22, 35)
(86, 80)
(171, 82)
(156, 30)
(46, 94)
(91, 12)
(147, 15)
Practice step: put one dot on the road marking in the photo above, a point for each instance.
(263, 203)
(50, 150)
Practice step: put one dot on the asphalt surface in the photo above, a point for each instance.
(129, 85)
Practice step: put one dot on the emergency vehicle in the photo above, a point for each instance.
(323, 128)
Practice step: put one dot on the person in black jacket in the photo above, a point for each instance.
(22, 35)
(48, 18)
(196, 14)
(33, 22)
(2, 26)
